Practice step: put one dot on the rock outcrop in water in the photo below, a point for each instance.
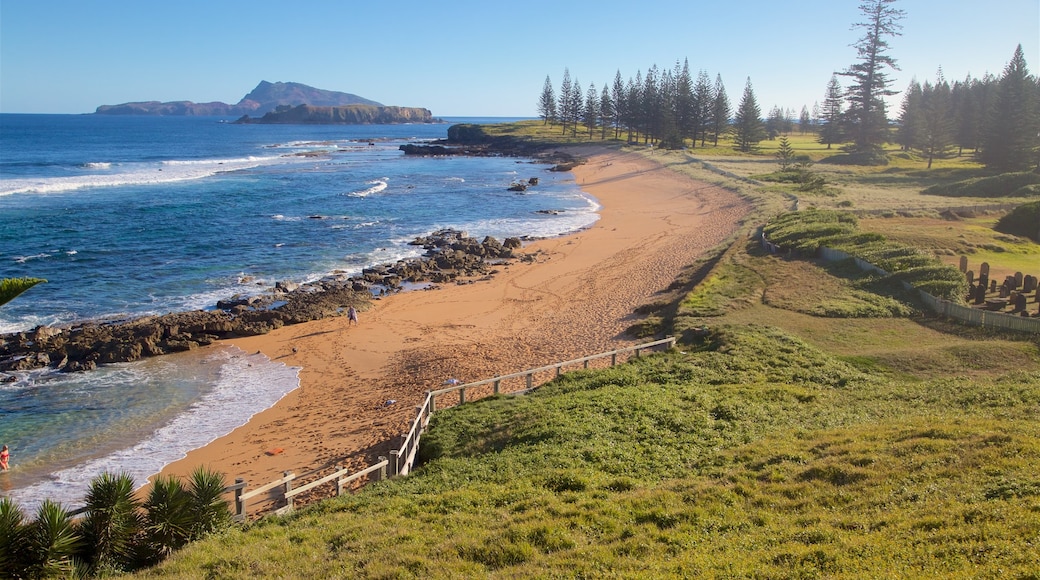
(473, 141)
(344, 115)
(451, 256)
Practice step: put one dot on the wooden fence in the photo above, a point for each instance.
(282, 492)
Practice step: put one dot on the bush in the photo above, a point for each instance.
(1003, 185)
(1023, 221)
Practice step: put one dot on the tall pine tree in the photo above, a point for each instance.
(831, 116)
(720, 110)
(547, 103)
(1010, 139)
(564, 106)
(866, 118)
(748, 129)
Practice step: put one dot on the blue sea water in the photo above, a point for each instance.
(126, 216)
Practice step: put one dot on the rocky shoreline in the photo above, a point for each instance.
(472, 141)
(451, 257)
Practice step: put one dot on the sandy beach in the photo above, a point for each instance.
(575, 299)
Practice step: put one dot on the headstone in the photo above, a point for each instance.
(1020, 303)
(984, 269)
(970, 275)
(992, 285)
(1018, 279)
(964, 263)
(1029, 283)
(980, 289)
(1005, 290)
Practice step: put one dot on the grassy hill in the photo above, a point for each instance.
(815, 425)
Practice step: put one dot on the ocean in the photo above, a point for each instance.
(129, 216)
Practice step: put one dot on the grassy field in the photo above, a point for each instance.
(816, 424)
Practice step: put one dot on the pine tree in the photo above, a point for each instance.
(936, 134)
(577, 100)
(785, 154)
(606, 111)
(966, 113)
(685, 104)
(564, 105)
(704, 107)
(831, 116)
(748, 129)
(634, 107)
(651, 101)
(591, 112)
(547, 103)
(866, 118)
(804, 121)
(1010, 138)
(909, 116)
(774, 122)
(719, 110)
(617, 94)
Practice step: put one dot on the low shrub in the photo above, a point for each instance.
(1023, 221)
(1003, 185)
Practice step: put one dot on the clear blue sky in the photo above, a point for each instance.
(472, 58)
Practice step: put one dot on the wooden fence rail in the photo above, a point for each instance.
(402, 459)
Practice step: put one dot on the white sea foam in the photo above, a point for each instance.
(24, 259)
(168, 171)
(377, 186)
(456, 179)
(247, 385)
(98, 165)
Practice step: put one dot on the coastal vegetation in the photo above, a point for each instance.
(11, 288)
(814, 422)
(118, 532)
(782, 440)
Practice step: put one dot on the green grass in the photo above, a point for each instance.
(762, 456)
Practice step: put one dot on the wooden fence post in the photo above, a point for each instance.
(586, 363)
(530, 380)
(559, 370)
(462, 396)
(498, 386)
(613, 358)
(240, 506)
(382, 470)
(288, 488)
(395, 458)
(339, 482)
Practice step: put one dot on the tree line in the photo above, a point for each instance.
(997, 119)
(667, 106)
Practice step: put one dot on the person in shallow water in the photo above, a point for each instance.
(5, 456)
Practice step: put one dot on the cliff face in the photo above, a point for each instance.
(264, 98)
(345, 115)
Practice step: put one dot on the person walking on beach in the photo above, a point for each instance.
(351, 316)
(5, 456)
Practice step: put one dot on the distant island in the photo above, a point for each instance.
(266, 97)
(342, 115)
